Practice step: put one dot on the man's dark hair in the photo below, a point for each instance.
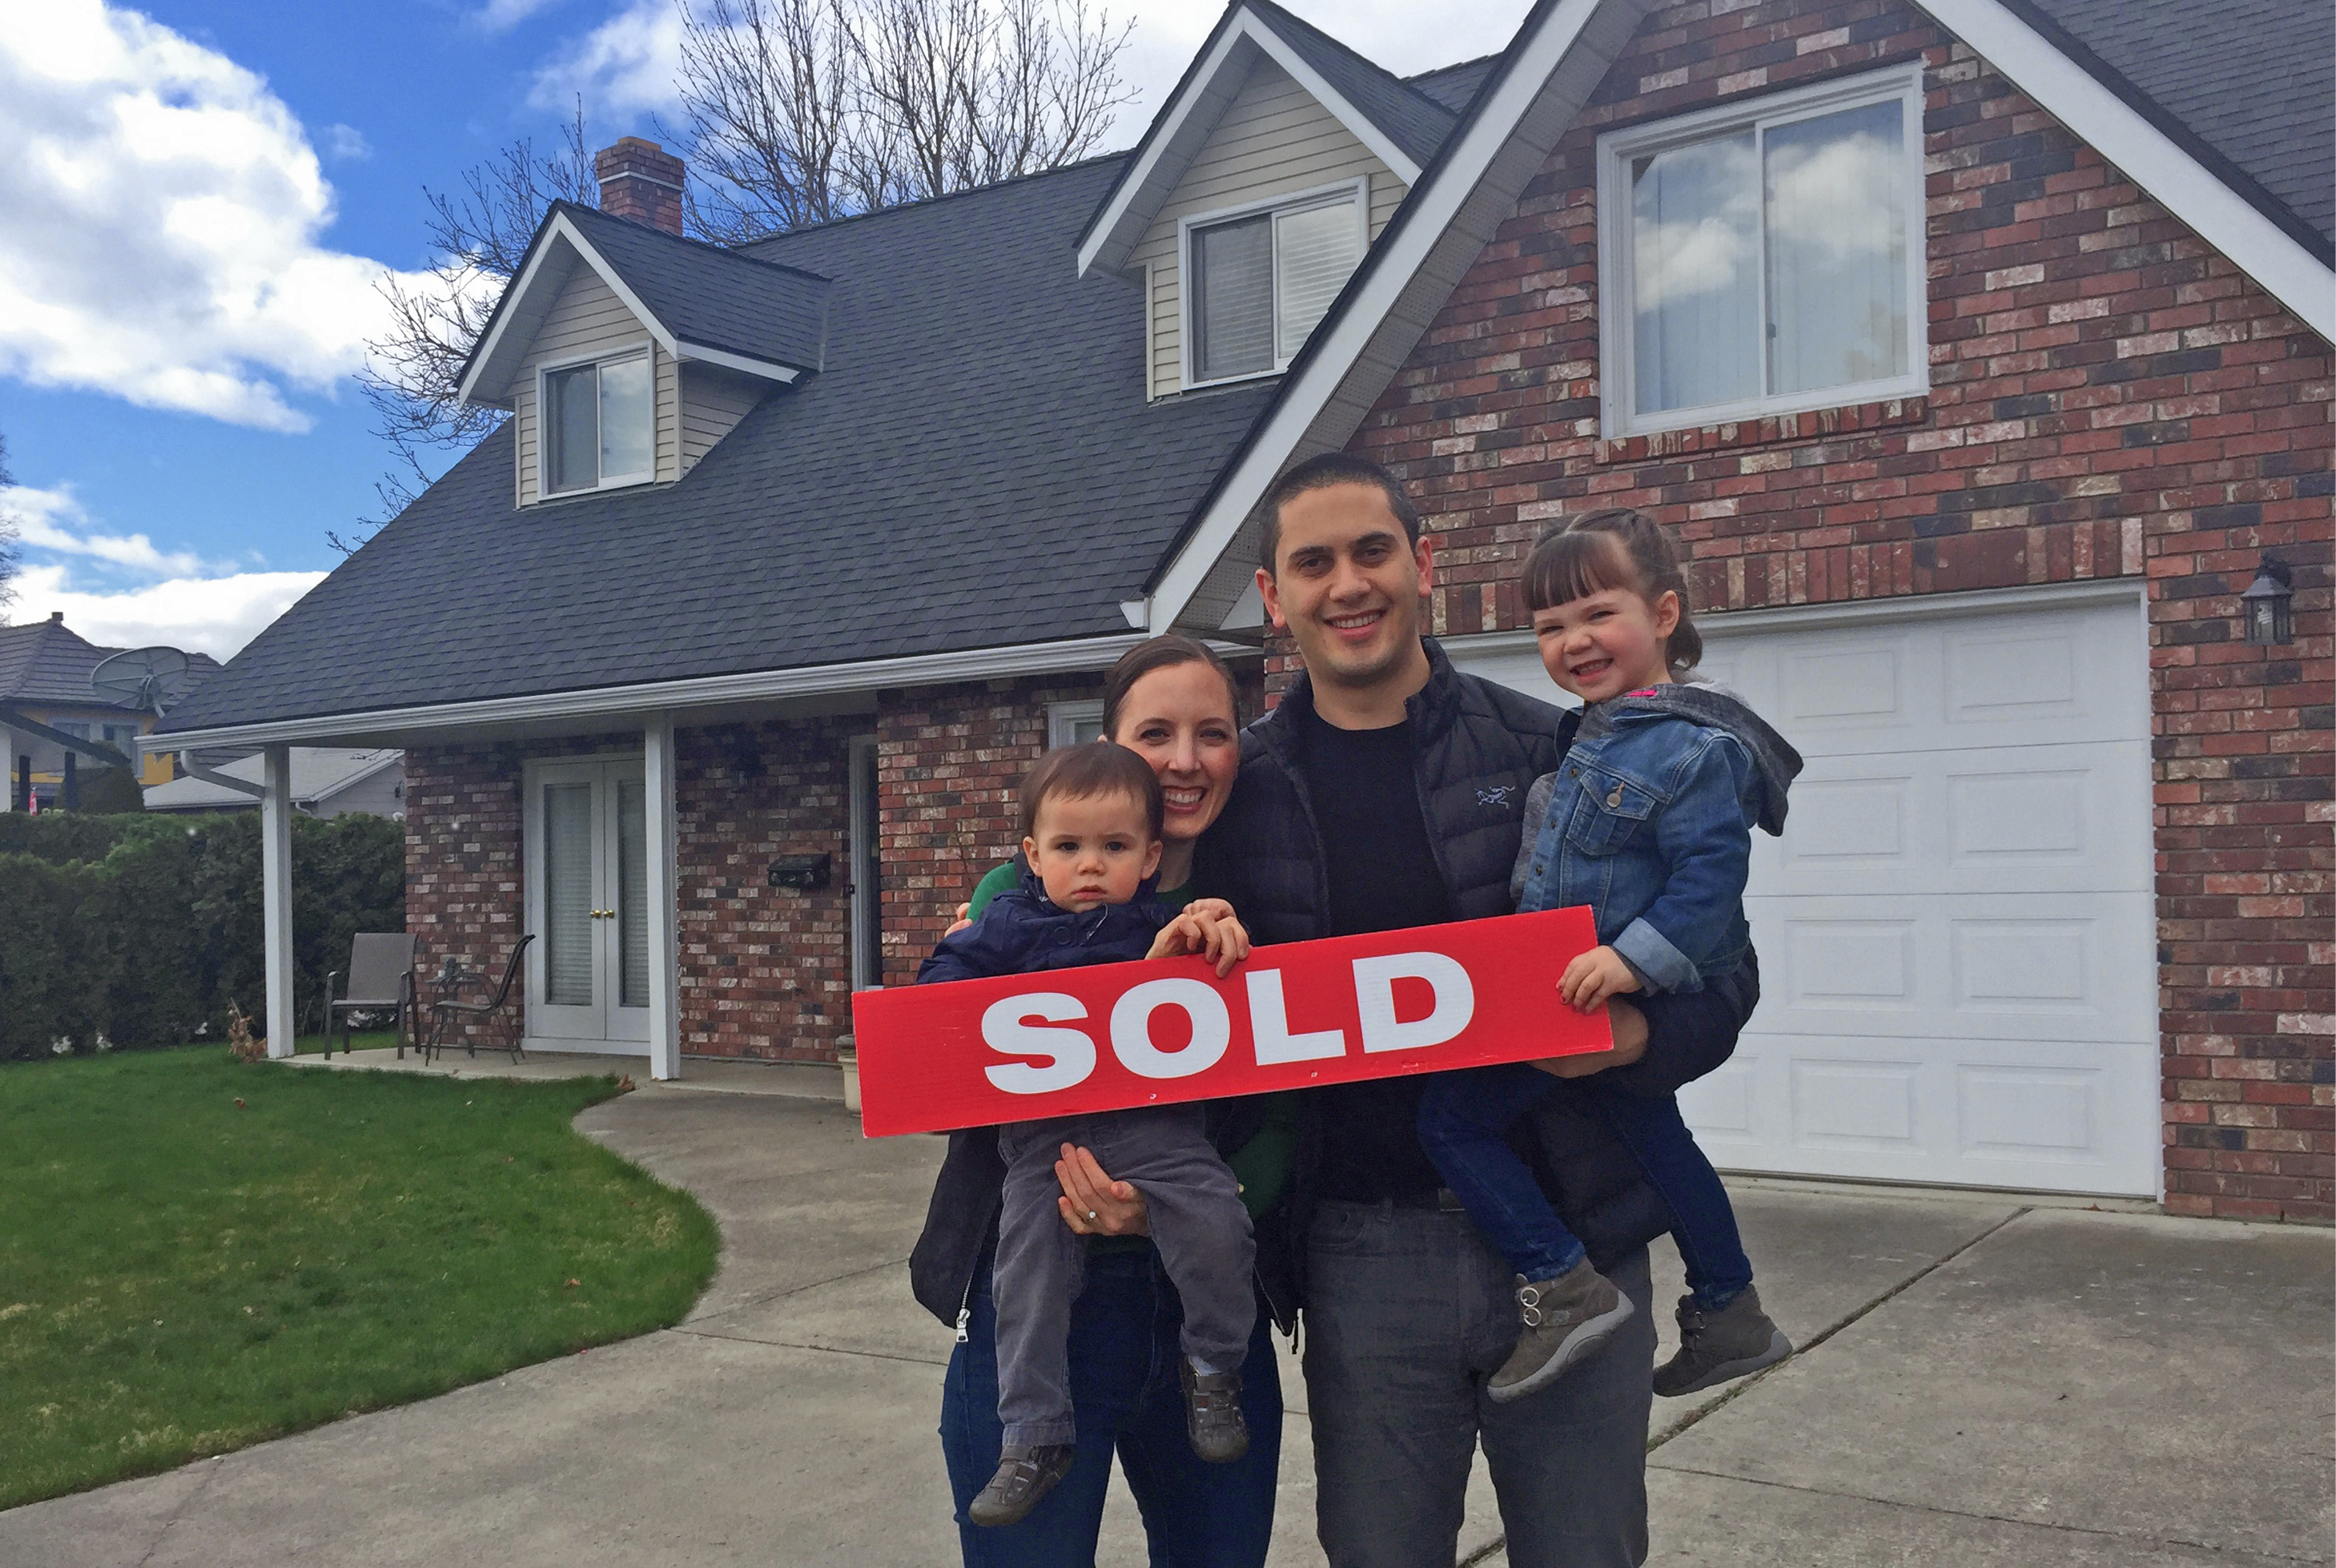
(1083, 772)
(1320, 473)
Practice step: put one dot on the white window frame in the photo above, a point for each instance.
(643, 349)
(1358, 190)
(1618, 311)
(1063, 719)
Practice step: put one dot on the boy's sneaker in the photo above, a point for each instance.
(1026, 1472)
(1715, 1347)
(1565, 1320)
(1213, 1415)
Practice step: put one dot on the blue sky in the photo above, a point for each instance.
(212, 188)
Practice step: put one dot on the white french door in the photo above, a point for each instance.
(587, 899)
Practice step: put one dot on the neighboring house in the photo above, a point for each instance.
(56, 727)
(326, 782)
(1976, 348)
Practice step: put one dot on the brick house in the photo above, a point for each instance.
(1977, 349)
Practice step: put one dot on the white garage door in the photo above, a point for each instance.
(1956, 931)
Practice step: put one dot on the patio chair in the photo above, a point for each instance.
(381, 980)
(448, 1012)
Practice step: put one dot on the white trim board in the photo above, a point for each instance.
(619, 703)
(1114, 232)
(2147, 156)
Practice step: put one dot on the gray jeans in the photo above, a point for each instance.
(1407, 1312)
(1193, 1209)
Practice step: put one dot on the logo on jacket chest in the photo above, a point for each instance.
(1497, 796)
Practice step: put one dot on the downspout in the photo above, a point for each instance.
(213, 776)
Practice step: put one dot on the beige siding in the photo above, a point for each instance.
(713, 401)
(586, 319)
(1274, 139)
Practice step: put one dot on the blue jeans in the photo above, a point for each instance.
(1124, 1348)
(1464, 1122)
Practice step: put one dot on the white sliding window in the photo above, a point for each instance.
(600, 424)
(1766, 257)
(1259, 280)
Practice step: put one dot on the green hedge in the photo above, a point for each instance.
(138, 931)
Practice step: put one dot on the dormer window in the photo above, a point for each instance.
(1263, 277)
(600, 424)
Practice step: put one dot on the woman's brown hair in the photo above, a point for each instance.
(1613, 547)
(1162, 652)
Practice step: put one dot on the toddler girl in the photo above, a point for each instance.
(1648, 821)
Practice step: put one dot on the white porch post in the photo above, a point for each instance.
(276, 896)
(663, 899)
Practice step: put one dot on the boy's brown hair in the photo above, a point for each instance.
(1098, 767)
(1613, 547)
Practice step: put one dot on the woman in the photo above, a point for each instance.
(1172, 701)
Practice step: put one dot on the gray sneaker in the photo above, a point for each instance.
(1714, 1347)
(1024, 1474)
(1564, 1320)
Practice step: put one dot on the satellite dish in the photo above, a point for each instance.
(142, 677)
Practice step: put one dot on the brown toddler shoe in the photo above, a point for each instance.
(1213, 1415)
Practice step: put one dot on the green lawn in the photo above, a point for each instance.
(197, 1254)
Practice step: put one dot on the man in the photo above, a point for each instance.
(1387, 790)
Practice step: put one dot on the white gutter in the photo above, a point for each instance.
(1094, 653)
(196, 770)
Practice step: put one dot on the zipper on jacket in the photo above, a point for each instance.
(965, 1313)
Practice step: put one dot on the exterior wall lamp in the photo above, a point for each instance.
(2267, 605)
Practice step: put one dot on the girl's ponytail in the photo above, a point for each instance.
(1613, 547)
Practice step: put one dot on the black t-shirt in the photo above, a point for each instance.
(1383, 877)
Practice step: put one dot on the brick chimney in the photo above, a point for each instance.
(642, 181)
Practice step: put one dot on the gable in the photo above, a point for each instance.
(1275, 140)
(584, 320)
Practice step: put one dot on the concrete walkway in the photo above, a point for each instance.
(1985, 1383)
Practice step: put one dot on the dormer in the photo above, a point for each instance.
(1253, 196)
(625, 352)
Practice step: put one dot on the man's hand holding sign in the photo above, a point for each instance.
(1115, 1037)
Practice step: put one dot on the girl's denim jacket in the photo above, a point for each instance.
(1649, 820)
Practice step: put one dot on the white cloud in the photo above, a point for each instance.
(501, 15)
(163, 215)
(212, 615)
(344, 143)
(47, 520)
(627, 64)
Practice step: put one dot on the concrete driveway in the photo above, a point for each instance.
(1984, 1382)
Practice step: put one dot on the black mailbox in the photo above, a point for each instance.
(802, 873)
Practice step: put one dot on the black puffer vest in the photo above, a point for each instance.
(1479, 747)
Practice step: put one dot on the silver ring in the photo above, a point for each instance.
(1091, 1213)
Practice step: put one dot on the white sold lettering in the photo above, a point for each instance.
(1375, 979)
(1006, 1028)
(1130, 1028)
(1268, 1024)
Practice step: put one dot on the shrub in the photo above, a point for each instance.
(138, 931)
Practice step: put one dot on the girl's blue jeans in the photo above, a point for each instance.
(1124, 1349)
(1465, 1118)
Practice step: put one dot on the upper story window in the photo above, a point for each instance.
(600, 424)
(1764, 259)
(1262, 278)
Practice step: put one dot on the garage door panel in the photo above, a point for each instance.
(1990, 1112)
(1969, 966)
(2010, 819)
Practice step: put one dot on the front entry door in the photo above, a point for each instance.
(587, 874)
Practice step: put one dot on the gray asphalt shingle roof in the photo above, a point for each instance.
(974, 466)
(706, 294)
(2252, 81)
(47, 662)
(1456, 86)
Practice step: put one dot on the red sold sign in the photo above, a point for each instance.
(1025, 1047)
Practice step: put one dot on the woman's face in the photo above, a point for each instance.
(1180, 719)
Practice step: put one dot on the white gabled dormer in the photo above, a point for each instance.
(625, 352)
(1253, 196)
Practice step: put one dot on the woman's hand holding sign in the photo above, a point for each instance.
(1208, 927)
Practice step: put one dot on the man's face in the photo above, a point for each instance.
(1348, 585)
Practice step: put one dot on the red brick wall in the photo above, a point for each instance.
(764, 971)
(949, 762)
(2108, 397)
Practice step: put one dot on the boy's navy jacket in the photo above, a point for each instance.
(1022, 931)
(1649, 823)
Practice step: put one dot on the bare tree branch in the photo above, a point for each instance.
(10, 563)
